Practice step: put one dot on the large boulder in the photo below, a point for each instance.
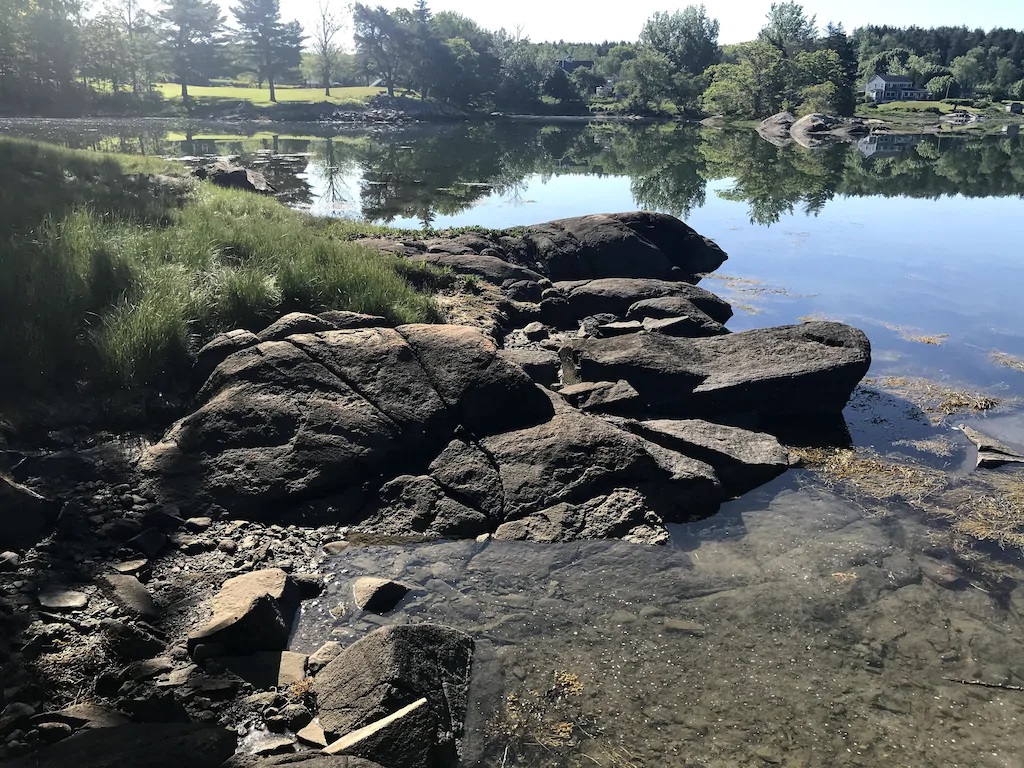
(770, 373)
(639, 244)
(393, 668)
(742, 459)
(572, 457)
(251, 612)
(328, 413)
(299, 760)
(813, 130)
(617, 296)
(226, 174)
(149, 745)
(776, 128)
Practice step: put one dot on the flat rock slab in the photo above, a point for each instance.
(991, 452)
(129, 593)
(251, 612)
(149, 745)
(773, 373)
(617, 296)
(393, 668)
(56, 599)
(378, 595)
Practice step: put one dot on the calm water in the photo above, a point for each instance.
(795, 627)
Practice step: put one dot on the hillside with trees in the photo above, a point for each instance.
(60, 55)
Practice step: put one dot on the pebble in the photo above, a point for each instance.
(62, 599)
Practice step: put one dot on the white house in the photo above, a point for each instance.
(883, 88)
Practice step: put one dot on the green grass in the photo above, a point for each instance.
(913, 107)
(261, 96)
(111, 278)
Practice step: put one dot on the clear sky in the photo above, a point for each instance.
(576, 20)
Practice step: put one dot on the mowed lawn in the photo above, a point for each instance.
(920, 106)
(261, 96)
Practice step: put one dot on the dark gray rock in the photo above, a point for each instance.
(323, 414)
(296, 322)
(772, 373)
(574, 455)
(252, 612)
(618, 328)
(991, 452)
(149, 745)
(300, 760)
(541, 365)
(742, 459)
(465, 471)
(25, 516)
(623, 514)
(130, 642)
(639, 244)
(378, 595)
(225, 174)
(616, 296)
(687, 327)
(393, 668)
(600, 395)
(218, 350)
(403, 739)
(343, 320)
(494, 270)
(417, 506)
(129, 593)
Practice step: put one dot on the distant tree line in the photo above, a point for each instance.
(60, 50)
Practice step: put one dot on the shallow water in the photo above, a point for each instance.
(791, 629)
(795, 627)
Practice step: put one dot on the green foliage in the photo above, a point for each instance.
(789, 29)
(271, 46)
(558, 85)
(647, 80)
(687, 38)
(191, 31)
(149, 269)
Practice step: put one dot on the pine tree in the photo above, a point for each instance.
(837, 40)
(192, 36)
(271, 45)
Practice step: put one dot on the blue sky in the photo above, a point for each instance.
(740, 19)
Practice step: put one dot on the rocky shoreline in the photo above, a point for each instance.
(586, 388)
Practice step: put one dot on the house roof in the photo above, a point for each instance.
(894, 78)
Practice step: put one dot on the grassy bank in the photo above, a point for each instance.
(116, 269)
(261, 96)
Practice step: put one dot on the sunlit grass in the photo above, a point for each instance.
(110, 277)
(261, 96)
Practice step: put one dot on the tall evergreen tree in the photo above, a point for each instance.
(192, 32)
(837, 40)
(271, 45)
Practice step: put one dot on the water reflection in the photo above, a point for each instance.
(421, 173)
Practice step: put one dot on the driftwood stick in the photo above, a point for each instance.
(983, 684)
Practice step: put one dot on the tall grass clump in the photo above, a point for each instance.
(110, 274)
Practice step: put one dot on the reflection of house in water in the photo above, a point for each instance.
(888, 144)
